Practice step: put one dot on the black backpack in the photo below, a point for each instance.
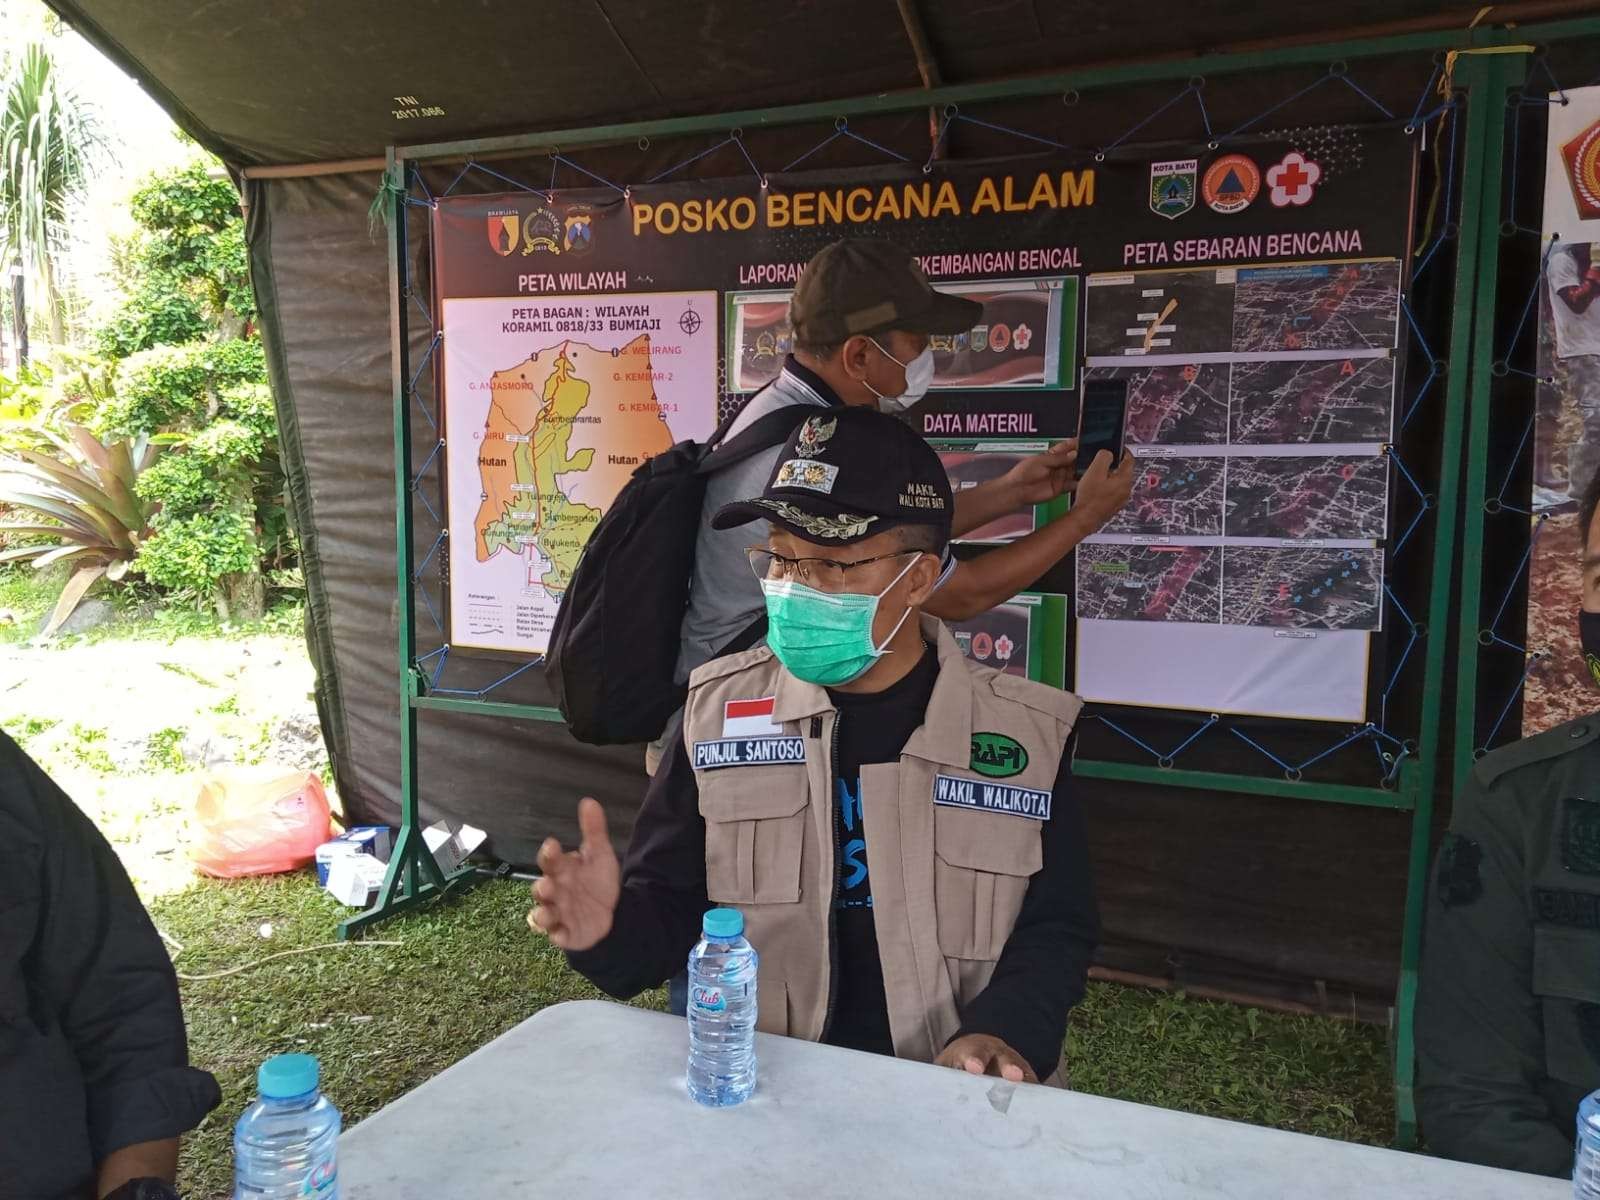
(614, 648)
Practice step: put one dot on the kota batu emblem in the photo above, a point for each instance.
(541, 231)
(814, 434)
(1172, 186)
(503, 229)
(579, 226)
(998, 756)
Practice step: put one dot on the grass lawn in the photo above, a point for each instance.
(385, 1018)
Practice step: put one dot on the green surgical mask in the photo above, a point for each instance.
(825, 638)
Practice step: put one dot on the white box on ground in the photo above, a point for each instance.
(353, 877)
(371, 840)
(451, 848)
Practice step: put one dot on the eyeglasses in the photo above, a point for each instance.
(825, 573)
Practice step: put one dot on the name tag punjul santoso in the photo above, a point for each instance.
(748, 752)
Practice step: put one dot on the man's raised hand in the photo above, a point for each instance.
(579, 889)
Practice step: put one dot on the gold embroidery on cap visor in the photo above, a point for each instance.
(845, 525)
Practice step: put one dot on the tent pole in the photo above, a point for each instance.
(1485, 77)
(413, 876)
(927, 64)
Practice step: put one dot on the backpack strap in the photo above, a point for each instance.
(764, 433)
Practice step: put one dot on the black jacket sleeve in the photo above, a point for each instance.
(1045, 963)
(1480, 1028)
(99, 973)
(663, 888)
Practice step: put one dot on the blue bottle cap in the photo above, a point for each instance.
(285, 1076)
(723, 924)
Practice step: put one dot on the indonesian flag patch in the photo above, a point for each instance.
(749, 718)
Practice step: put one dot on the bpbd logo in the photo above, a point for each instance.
(708, 999)
(998, 756)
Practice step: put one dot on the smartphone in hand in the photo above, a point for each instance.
(1101, 418)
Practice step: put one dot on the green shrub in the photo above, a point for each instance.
(155, 315)
(192, 554)
(172, 387)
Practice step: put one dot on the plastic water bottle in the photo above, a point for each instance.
(285, 1144)
(1586, 1163)
(722, 1012)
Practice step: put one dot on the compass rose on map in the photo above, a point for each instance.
(689, 321)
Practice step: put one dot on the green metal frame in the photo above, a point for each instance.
(1485, 77)
(1492, 61)
(1513, 72)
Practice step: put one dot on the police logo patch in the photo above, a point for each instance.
(1460, 870)
(1580, 840)
(748, 752)
(990, 797)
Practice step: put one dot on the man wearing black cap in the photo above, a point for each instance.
(894, 821)
(862, 315)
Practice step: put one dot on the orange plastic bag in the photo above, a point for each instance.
(258, 822)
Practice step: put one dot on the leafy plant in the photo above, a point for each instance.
(212, 502)
(179, 387)
(49, 140)
(83, 495)
(193, 554)
(187, 270)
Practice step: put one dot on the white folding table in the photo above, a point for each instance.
(586, 1099)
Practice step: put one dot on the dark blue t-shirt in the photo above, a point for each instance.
(872, 729)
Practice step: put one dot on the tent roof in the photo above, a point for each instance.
(293, 81)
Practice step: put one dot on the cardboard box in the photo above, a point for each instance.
(353, 878)
(450, 848)
(371, 840)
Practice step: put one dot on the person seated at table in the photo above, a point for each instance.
(1508, 1015)
(95, 1082)
(896, 823)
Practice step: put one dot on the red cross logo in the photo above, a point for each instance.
(1293, 181)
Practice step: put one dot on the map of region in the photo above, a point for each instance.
(528, 443)
(1174, 496)
(1348, 400)
(1347, 306)
(1159, 312)
(1307, 497)
(550, 405)
(1303, 587)
(1149, 583)
(1174, 406)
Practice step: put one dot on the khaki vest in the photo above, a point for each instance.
(948, 879)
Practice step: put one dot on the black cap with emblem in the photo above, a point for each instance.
(846, 475)
(870, 286)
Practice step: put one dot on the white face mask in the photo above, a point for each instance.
(919, 377)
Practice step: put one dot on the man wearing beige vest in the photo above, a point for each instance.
(895, 822)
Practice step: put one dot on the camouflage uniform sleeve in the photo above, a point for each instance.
(1480, 1036)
